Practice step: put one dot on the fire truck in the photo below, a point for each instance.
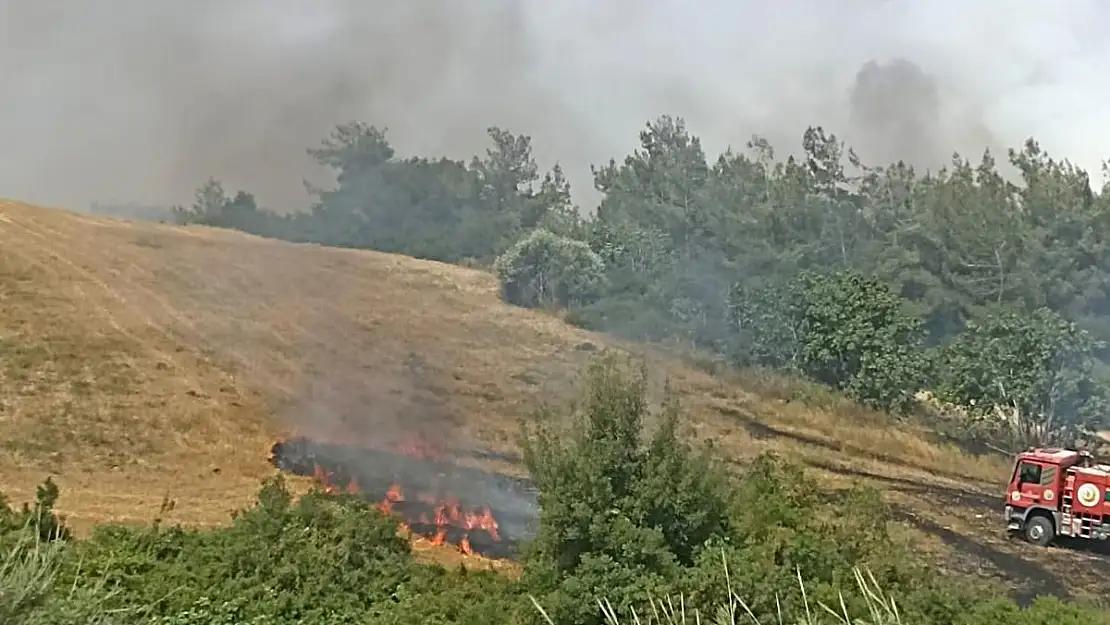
(1058, 492)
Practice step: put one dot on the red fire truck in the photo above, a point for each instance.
(1058, 492)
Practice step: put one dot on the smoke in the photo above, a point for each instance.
(141, 100)
(357, 399)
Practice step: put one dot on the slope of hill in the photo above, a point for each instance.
(144, 364)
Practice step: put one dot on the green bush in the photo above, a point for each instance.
(38, 518)
(546, 269)
(1037, 370)
(841, 329)
(27, 575)
(880, 608)
(620, 512)
(322, 559)
(629, 511)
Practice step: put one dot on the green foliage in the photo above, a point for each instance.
(677, 232)
(625, 514)
(1040, 366)
(546, 269)
(322, 559)
(619, 512)
(841, 329)
(34, 552)
(787, 530)
(213, 207)
(630, 513)
(638, 260)
(27, 574)
(429, 208)
(881, 609)
(39, 518)
(271, 558)
(817, 264)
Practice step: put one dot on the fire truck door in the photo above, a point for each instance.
(1035, 485)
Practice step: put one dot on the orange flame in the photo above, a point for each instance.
(324, 479)
(448, 513)
(394, 494)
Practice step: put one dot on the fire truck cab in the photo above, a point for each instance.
(1058, 492)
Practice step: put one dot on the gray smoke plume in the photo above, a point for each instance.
(141, 100)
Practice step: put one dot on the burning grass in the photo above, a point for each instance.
(447, 523)
(479, 512)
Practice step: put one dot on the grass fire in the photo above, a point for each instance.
(479, 512)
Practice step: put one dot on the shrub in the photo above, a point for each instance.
(38, 518)
(546, 269)
(619, 514)
(880, 608)
(27, 573)
(318, 558)
(322, 560)
(842, 329)
(1029, 376)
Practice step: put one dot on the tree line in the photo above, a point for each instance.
(989, 290)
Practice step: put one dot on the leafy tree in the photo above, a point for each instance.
(1039, 369)
(213, 207)
(507, 172)
(660, 186)
(426, 208)
(438, 209)
(636, 261)
(546, 269)
(554, 209)
(841, 329)
(858, 338)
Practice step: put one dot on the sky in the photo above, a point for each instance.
(142, 100)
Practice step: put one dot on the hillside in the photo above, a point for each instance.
(145, 363)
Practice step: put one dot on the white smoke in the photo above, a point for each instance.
(141, 100)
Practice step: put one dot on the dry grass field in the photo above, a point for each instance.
(142, 364)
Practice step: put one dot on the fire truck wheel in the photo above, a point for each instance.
(1038, 530)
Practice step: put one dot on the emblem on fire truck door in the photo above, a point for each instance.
(1087, 495)
(1048, 495)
